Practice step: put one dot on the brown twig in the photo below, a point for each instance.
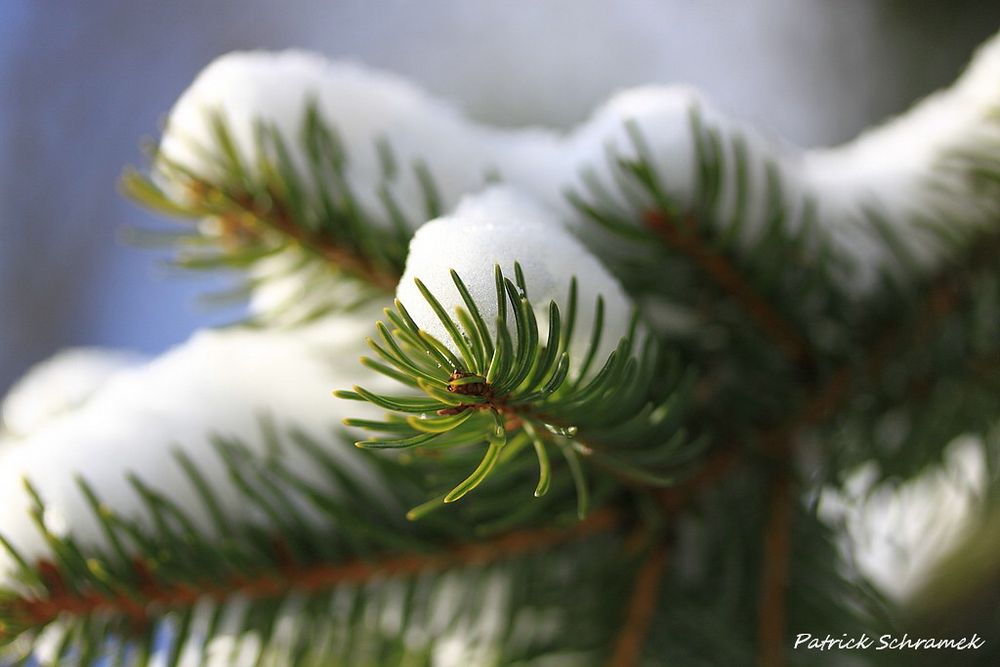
(774, 572)
(351, 262)
(684, 238)
(40, 611)
(245, 216)
(778, 442)
(641, 609)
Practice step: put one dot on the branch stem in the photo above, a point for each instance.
(641, 609)
(722, 272)
(40, 611)
(772, 611)
(344, 259)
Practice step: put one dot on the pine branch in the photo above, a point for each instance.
(826, 400)
(503, 388)
(772, 614)
(641, 609)
(512, 394)
(343, 258)
(252, 207)
(166, 567)
(163, 596)
(823, 401)
(711, 236)
(683, 236)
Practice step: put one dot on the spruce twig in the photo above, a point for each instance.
(772, 616)
(344, 259)
(682, 236)
(641, 609)
(39, 611)
(942, 297)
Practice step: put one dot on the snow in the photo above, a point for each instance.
(662, 117)
(294, 286)
(502, 226)
(907, 167)
(890, 168)
(892, 162)
(59, 385)
(362, 105)
(472, 638)
(897, 533)
(218, 382)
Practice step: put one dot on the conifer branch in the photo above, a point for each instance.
(507, 393)
(258, 204)
(711, 235)
(641, 609)
(772, 616)
(151, 594)
(343, 258)
(939, 299)
(825, 401)
(682, 235)
(512, 394)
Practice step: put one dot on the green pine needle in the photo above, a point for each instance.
(525, 384)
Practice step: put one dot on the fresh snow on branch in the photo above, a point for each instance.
(293, 287)
(369, 108)
(60, 384)
(900, 170)
(897, 533)
(453, 638)
(501, 226)
(218, 383)
(915, 167)
(366, 108)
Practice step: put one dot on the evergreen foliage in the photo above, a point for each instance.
(512, 394)
(672, 521)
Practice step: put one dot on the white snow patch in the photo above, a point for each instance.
(900, 168)
(218, 383)
(59, 385)
(502, 227)
(897, 533)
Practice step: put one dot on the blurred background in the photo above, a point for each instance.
(82, 82)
